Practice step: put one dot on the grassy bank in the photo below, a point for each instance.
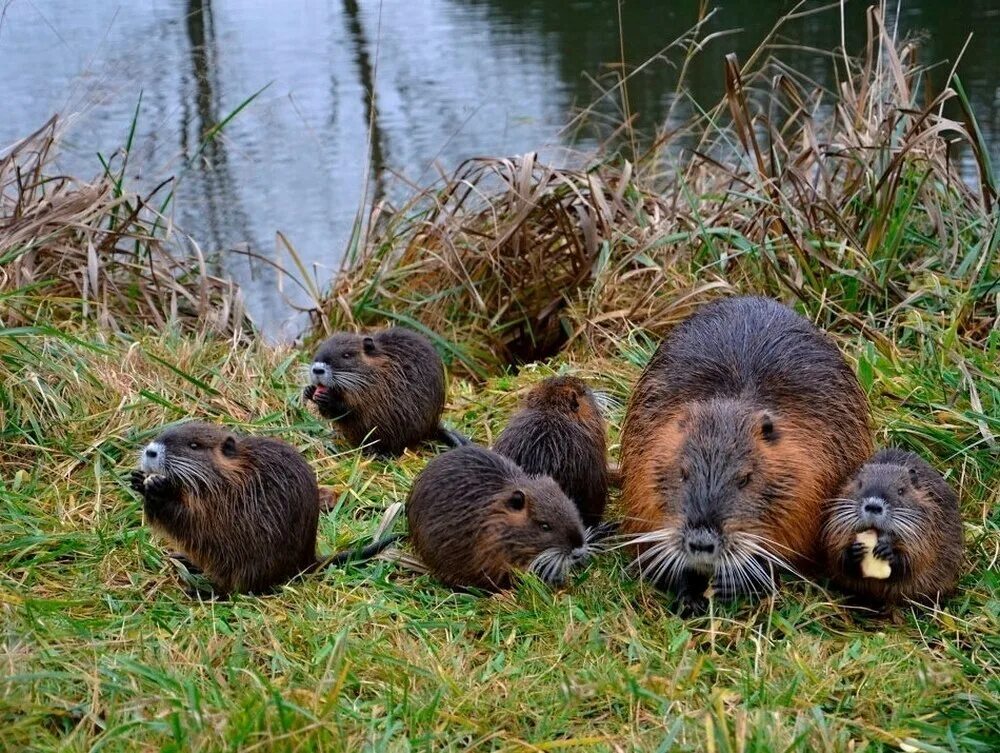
(105, 336)
(102, 647)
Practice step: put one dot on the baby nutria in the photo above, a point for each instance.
(559, 432)
(475, 518)
(387, 388)
(910, 514)
(243, 510)
(745, 421)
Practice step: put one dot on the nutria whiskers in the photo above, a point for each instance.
(745, 421)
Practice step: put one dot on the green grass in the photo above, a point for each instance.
(103, 650)
(877, 240)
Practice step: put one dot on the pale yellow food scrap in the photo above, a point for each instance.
(872, 566)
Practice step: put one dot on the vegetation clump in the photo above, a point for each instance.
(847, 200)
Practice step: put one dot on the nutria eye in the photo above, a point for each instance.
(545, 526)
(347, 354)
(194, 445)
(901, 491)
(743, 481)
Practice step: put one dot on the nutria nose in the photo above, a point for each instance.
(874, 507)
(319, 370)
(700, 542)
(150, 452)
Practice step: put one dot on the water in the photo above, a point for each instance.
(454, 79)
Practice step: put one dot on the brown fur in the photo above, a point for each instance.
(919, 533)
(475, 519)
(242, 509)
(385, 390)
(560, 432)
(745, 420)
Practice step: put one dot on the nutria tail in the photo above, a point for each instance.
(451, 437)
(356, 554)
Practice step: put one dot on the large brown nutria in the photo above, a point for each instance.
(745, 421)
(475, 518)
(559, 432)
(243, 510)
(912, 515)
(385, 390)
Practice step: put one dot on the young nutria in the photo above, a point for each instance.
(559, 432)
(912, 514)
(385, 390)
(243, 510)
(475, 518)
(745, 421)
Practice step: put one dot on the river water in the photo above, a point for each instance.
(453, 79)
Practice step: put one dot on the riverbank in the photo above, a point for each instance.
(103, 647)
(105, 336)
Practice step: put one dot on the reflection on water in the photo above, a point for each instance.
(452, 79)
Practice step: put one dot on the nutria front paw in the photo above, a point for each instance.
(883, 550)
(137, 481)
(691, 595)
(329, 403)
(852, 557)
(157, 489)
(898, 561)
(692, 604)
(308, 392)
(182, 559)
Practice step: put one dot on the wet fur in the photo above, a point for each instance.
(559, 432)
(464, 529)
(924, 546)
(743, 389)
(246, 517)
(388, 396)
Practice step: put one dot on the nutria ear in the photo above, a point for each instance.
(574, 402)
(516, 500)
(369, 345)
(229, 446)
(767, 427)
(914, 478)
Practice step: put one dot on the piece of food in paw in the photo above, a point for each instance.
(320, 391)
(872, 566)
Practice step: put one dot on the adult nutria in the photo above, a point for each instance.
(911, 513)
(385, 390)
(243, 510)
(475, 518)
(559, 432)
(745, 421)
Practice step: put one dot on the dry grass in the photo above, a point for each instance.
(95, 252)
(848, 200)
(844, 200)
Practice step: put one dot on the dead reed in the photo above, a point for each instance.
(849, 199)
(94, 251)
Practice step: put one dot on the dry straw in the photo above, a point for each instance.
(850, 194)
(92, 250)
